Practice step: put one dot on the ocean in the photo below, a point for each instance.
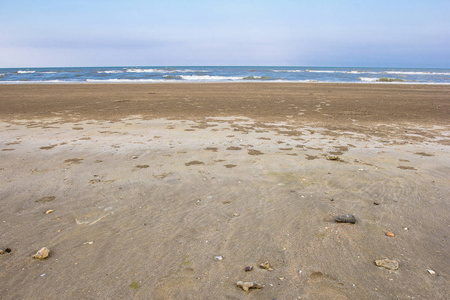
(223, 74)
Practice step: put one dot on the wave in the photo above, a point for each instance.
(172, 77)
(381, 79)
(139, 70)
(123, 80)
(111, 72)
(48, 72)
(209, 77)
(25, 72)
(258, 78)
(368, 79)
(288, 71)
(416, 73)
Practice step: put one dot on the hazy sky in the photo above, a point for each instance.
(390, 33)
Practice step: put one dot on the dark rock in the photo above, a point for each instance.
(248, 269)
(346, 219)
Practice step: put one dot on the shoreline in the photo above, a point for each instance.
(151, 81)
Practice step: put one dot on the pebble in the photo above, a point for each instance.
(218, 257)
(266, 266)
(248, 269)
(431, 272)
(332, 157)
(390, 234)
(42, 254)
(3, 251)
(346, 219)
(387, 264)
(49, 211)
(248, 285)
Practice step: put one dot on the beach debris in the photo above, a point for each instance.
(218, 257)
(346, 219)
(248, 285)
(88, 243)
(390, 234)
(134, 157)
(431, 272)
(333, 157)
(49, 211)
(3, 251)
(248, 268)
(236, 215)
(376, 203)
(387, 264)
(405, 228)
(266, 266)
(42, 254)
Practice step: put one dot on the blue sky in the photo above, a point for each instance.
(384, 33)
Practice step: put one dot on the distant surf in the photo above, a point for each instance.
(149, 74)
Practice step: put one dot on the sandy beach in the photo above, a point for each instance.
(169, 191)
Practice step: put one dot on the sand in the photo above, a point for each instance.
(149, 183)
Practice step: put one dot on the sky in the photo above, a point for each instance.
(344, 33)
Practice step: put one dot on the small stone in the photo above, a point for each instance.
(376, 203)
(387, 264)
(390, 234)
(49, 211)
(218, 257)
(248, 269)
(236, 215)
(333, 157)
(346, 219)
(266, 266)
(8, 250)
(42, 254)
(431, 272)
(2, 251)
(248, 285)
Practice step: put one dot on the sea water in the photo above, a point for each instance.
(143, 74)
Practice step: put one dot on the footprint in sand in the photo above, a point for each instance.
(71, 161)
(194, 162)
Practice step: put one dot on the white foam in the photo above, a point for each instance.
(110, 72)
(288, 71)
(209, 78)
(25, 72)
(369, 79)
(416, 73)
(138, 70)
(115, 80)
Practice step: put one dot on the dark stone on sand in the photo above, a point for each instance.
(346, 219)
(7, 250)
(248, 269)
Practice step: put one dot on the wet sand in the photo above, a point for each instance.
(149, 183)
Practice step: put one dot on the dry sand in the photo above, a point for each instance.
(148, 183)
